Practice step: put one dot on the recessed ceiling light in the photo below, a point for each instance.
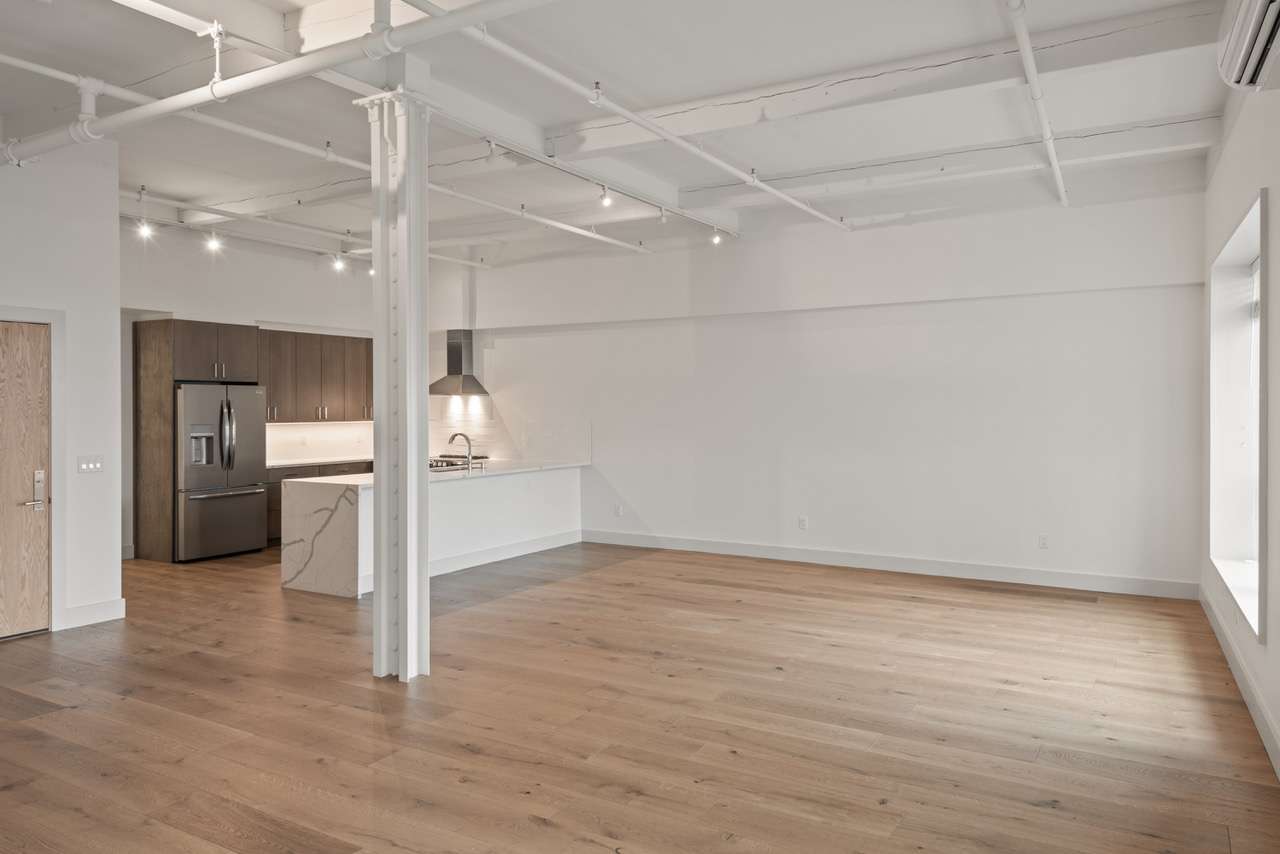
(372, 272)
(339, 264)
(145, 230)
(213, 244)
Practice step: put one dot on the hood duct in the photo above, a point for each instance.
(460, 378)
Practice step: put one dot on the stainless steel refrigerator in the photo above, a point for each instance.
(221, 468)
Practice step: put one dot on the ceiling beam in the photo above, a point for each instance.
(987, 66)
(1175, 136)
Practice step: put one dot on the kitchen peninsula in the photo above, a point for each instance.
(509, 508)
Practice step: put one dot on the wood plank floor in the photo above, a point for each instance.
(603, 699)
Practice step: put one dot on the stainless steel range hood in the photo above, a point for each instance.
(460, 379)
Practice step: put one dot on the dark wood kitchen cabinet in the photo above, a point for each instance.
(214, 351)
(359, 379)
(316, 377)
(238, 352)
(309, 376)
(333, 378)
(277, 370)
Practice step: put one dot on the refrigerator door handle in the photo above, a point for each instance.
(232, 412)
(212, 495)
(224, 435)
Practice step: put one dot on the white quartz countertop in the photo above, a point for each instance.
(316, 461)
(493, 468)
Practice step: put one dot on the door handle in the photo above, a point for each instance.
(232, 411)
(37, 491)
(224, 435)
(236, 494)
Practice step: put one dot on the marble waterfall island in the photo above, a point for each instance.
(326, 534)
(511, 508)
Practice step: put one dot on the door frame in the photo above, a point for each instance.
(57, 323)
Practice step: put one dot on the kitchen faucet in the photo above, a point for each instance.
(455, 437)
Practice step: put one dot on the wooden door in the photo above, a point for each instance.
(282, 379)
(195, 351)
(308, 371)
(368, 378)
(238, 353)
(24, 526)
(334, 395)
(357, 361)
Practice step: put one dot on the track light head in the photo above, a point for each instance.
(145, 230)
(339, 264)
(606, 198)
(717, 238)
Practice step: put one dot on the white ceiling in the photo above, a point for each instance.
(1126, 114)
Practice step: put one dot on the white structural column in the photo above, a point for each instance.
(401, 606)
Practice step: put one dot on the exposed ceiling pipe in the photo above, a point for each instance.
(381, 16)
(130, 96)
(374, 45)
(1018, 16)
(599, 99)
(143, 198)
(178, 204)
(524, 214)
(325, 153)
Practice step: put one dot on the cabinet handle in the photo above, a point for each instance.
(326, 412)
(224, 370)
(215, 370)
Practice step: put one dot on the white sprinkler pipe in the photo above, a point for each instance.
(599, 99)
(1018, 15)
(523, 213)
(325, 153)
(370, 46)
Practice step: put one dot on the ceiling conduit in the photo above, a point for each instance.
(1018, 15)
(598, 98)
(375, 45)
(91, 85)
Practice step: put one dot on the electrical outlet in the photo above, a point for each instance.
(802, 522)
(89, 465)
(617, 510)
(1042, 541)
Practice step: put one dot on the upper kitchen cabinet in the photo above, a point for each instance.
(359, 377)
(238, 352)
(214, 352)
(278, 372)
(309, 376)
(195, 350)
(333, 403)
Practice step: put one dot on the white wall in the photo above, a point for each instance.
(59, 245)
(1249, 160)
(957, 390)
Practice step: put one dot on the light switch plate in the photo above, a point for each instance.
(90, 465)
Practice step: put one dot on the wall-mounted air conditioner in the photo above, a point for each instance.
(1246, 41)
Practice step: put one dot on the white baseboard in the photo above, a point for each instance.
(87, 615)
(922, 566)
(1268, 726)
(126, 552)
(445, 565)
